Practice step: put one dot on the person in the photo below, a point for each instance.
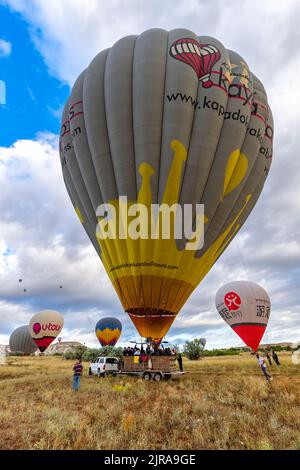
(269, 358)
(179, 359)
(78, 368)
(263, 367)
(275, 357)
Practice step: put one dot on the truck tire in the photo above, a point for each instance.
(90, 371)
(99, 373)
(157, 376)
(147, 376)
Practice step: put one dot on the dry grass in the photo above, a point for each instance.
(223, 403)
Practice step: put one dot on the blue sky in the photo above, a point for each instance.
(33, 97)
(44, 45)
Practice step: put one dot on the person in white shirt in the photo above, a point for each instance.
(263, 367)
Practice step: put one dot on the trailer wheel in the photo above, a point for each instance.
(147, 376)
(157, 377)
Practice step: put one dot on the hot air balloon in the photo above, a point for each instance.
(44, 327)
(20, 341)
(203, 342)
(164, 118)
(245, 306)
(108, 331)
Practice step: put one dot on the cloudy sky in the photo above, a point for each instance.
(44, 45)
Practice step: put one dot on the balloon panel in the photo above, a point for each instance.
(44, 327)
(20, 341)
(108, 331)
(165, 117)
(245, 306)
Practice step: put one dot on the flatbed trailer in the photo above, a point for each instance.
(154, 367)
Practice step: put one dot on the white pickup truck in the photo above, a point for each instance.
(104, 366)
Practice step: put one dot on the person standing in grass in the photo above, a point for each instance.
(263, 367)
(179, 359)
(275, 357)
(269, 358)
(78, 368)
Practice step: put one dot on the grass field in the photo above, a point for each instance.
(222, 403)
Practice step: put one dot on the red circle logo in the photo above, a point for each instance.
(36, 328)
(232, 301)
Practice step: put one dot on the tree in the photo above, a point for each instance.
(111, 351)
(193, 349)
(90, 355)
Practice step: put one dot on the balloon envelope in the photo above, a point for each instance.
(164, 118)
(245, 306)
(44, 327)
(203, 342)
(108, 331)
(20, 341)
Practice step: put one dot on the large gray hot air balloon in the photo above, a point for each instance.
(20, 341)
(164, 117)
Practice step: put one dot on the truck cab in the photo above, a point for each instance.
(104, 366)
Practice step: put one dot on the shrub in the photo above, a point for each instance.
(193, 349)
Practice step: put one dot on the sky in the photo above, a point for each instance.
(43, 48)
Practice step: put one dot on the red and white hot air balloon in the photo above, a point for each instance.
(245, 306)
(201, 57)
(44, 327)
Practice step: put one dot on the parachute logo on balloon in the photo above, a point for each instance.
(232, 301)
(201, 57)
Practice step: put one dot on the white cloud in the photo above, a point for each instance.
(69, 34)
(5, 48)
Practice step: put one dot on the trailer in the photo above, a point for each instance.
(154, 367)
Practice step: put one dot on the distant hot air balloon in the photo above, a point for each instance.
(245, 306)
(164, 117)
(108, 331)
(20, 280)
(203, 342)
(20, 341)
(44, 327)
